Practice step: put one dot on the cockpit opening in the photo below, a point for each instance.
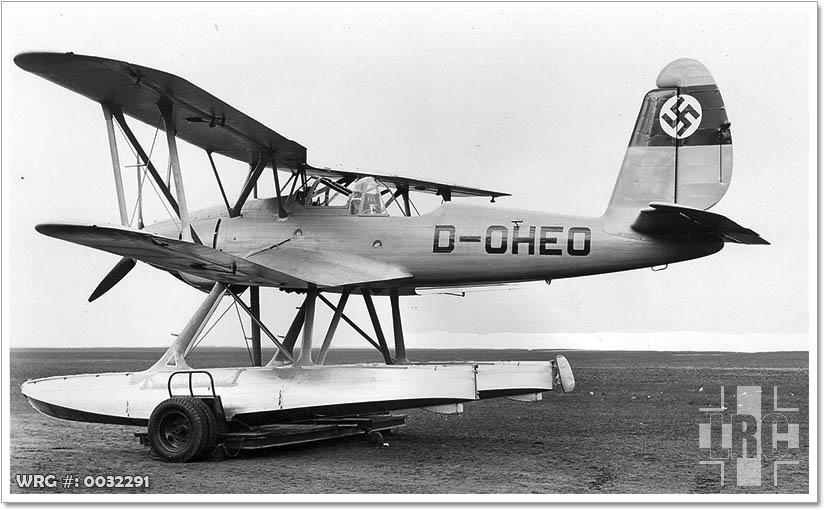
(366, 198)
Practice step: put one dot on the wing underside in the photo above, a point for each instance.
(291, 267)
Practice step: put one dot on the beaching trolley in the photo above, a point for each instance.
(193, 426)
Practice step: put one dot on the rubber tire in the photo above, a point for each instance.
(194, 444)
(375, 437)
(212, 434)
(565, 372)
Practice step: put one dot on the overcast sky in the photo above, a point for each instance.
(533, 99)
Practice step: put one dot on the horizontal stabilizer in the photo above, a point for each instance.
(680, 221)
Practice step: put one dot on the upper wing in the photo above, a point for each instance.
(671, 219)
(291, 267)
(437, 188)
(200, 118)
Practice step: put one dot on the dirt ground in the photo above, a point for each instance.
(631, 426)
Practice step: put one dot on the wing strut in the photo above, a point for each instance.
(118, 115)
(405, 194)
(251, 181)
(174, 162)
(281, 212)
(220, 184)
(121, 197)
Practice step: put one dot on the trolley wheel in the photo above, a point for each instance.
(375, 437)
(212, 435)
(565, 372)
(179, 429)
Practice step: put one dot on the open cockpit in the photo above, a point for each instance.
(365, 196)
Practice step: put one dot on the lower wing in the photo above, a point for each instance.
(292, 267)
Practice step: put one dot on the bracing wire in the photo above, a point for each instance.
(203, 336)
(154, 138)
(145, 171)
(140, 187)
(243, 330)
(162, 201)
(134, 153)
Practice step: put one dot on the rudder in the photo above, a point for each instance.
(680, 149)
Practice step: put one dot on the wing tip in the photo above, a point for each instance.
(26, 61)
(48, 229)
(38, 61)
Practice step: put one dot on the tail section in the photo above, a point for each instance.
(680, 149)
(676, 221)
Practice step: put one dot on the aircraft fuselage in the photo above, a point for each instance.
(454, 245)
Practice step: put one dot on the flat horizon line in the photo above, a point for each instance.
(365, 349)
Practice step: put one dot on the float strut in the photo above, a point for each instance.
(351, 323)
(255, 306)
(292, 333)
(281, 349)
(333, 325)
(376, 324)
(398, 330)
(175, 355)
(309, 319)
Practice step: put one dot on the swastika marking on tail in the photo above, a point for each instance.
(680, 116)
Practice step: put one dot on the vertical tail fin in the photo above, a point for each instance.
(680, 149)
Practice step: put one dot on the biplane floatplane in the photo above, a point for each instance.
(331, 232)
